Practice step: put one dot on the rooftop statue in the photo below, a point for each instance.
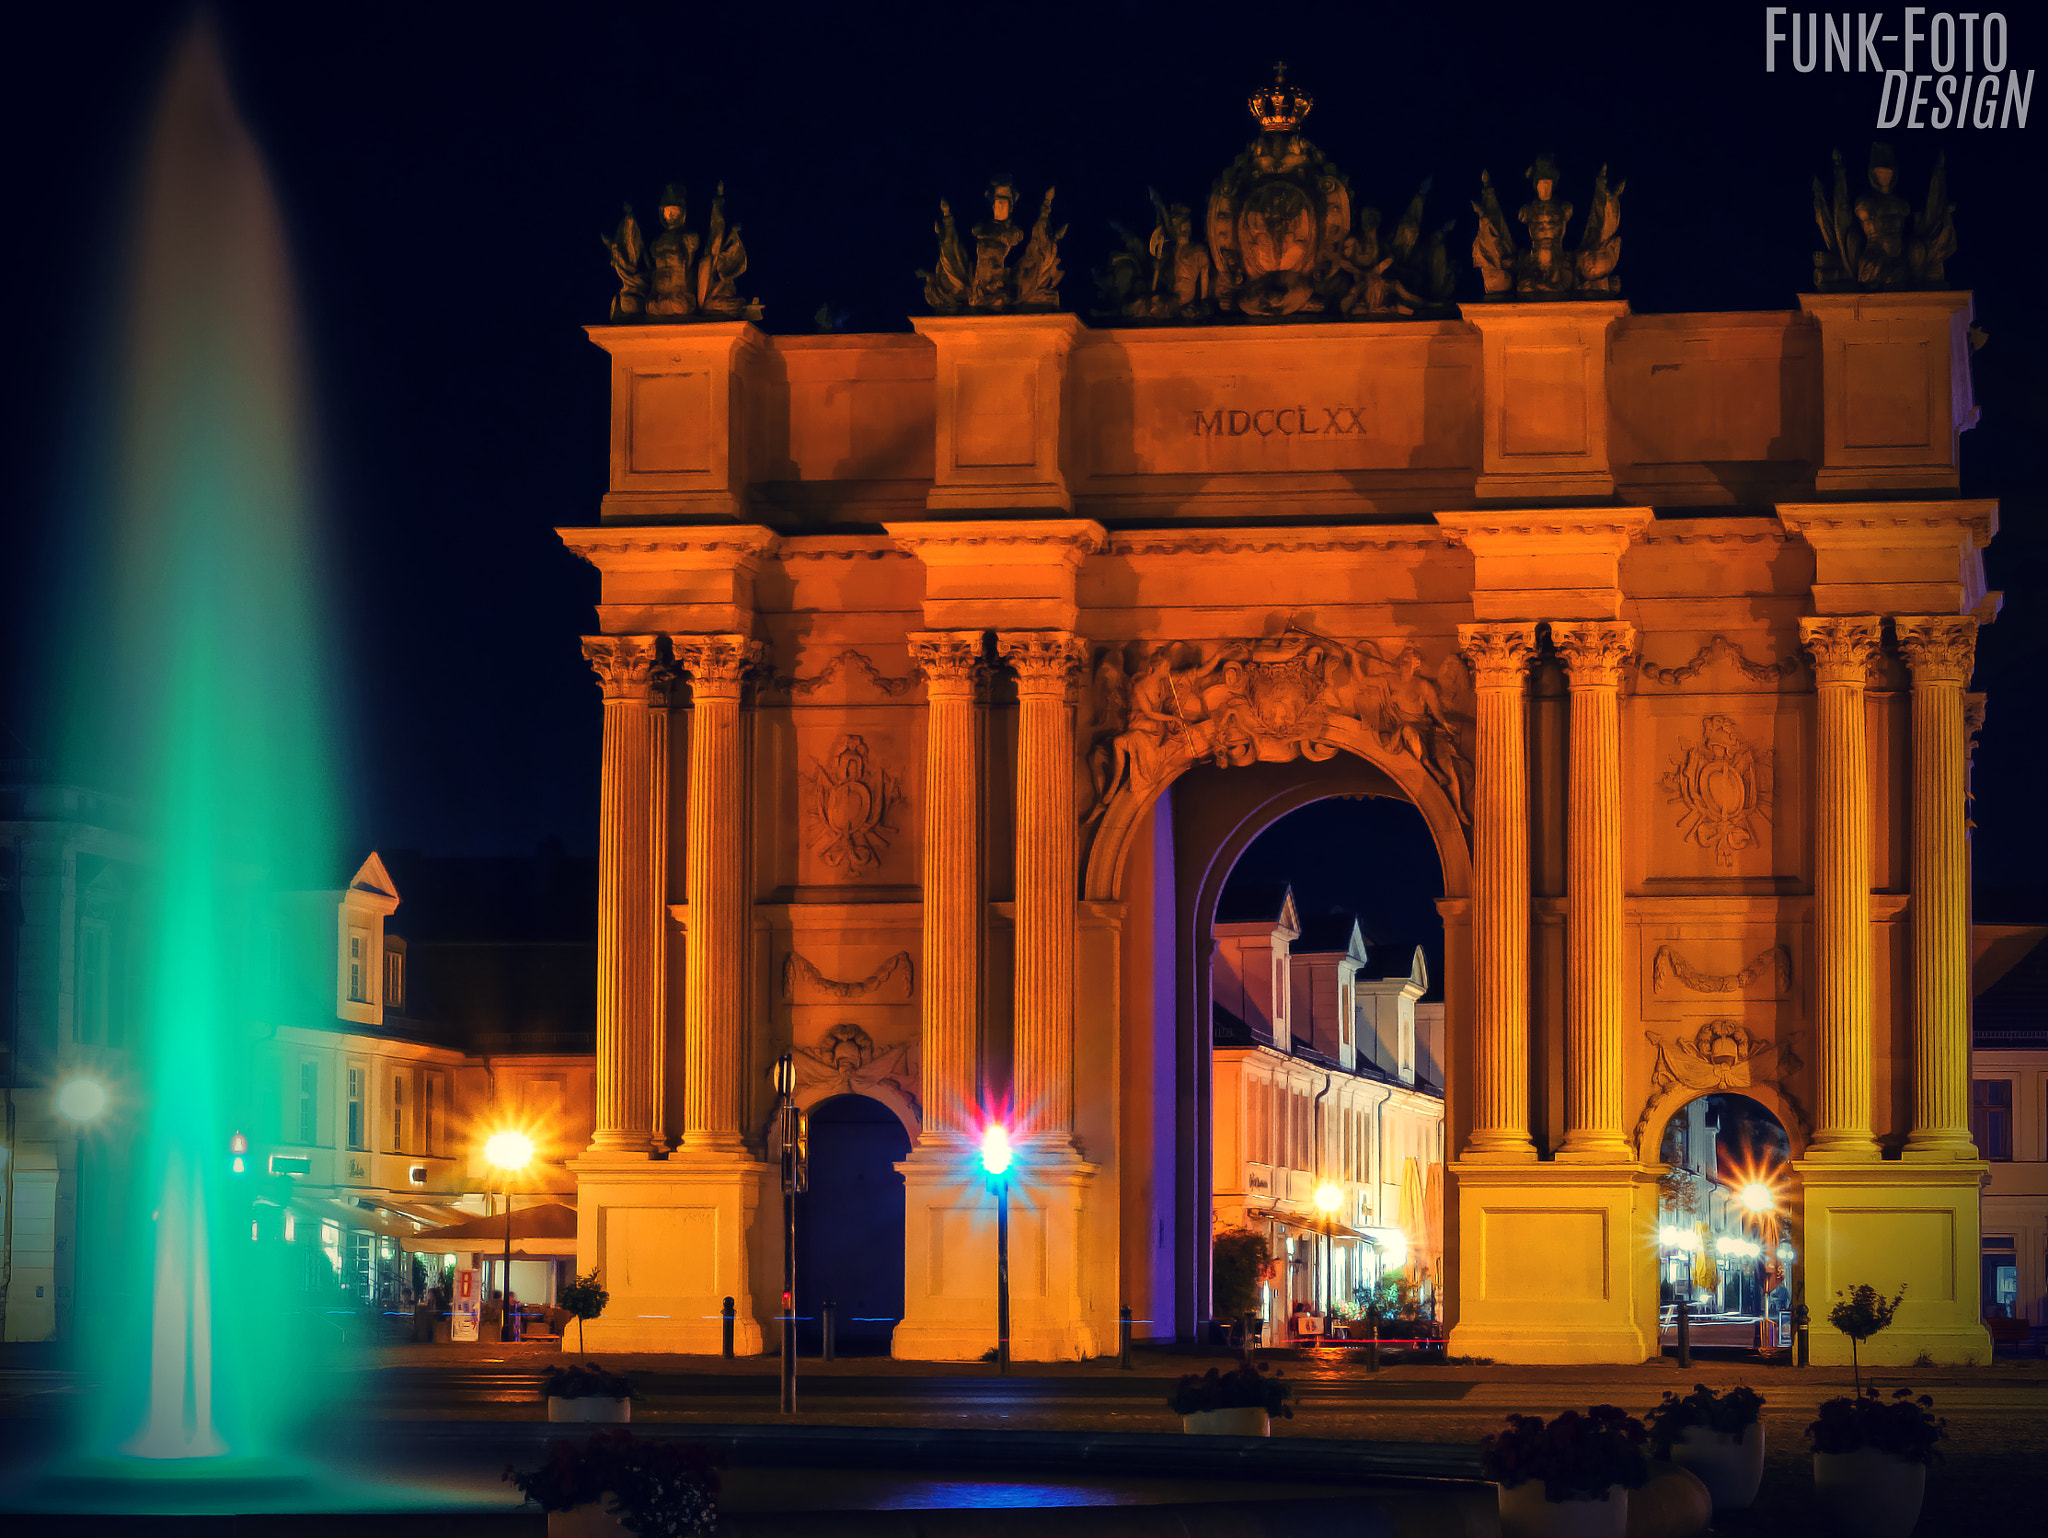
(1545, 269)
(991, 284)
(679, 275)
(1169, 278)
(1279, 214)
(1865, 244)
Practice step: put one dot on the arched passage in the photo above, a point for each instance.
(1162, 857)
(850, 1224)
(1728, 1223)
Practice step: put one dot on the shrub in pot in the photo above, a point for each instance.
(1239, 1260)
(1870, 1458)
(1569, 1477)
(1720, 1437)
(1241, 1402)
(584, 1299)
(1861, 1312)
(586, 1392)
(613, 1483)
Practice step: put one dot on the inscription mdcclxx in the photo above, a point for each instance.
(1342, 420)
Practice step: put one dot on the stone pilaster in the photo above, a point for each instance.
(954, 901)
(1941, 650)
(1843, 649)
(1047, 663)
(1595, 656)
(632, 833)
(715, 1044)
(1500, 655)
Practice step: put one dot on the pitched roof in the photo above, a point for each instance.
(2017, 1004)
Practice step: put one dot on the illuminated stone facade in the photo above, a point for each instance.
(946, 674)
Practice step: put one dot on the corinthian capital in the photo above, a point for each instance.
(1047, 661)
(1843, 647)
(717, 664)
(950, 660)
(1499, 654)
(628, 667)
(1595, 652)
(1940, 648)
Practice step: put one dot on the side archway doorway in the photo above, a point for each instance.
(1729, 1244)
(850, 1226)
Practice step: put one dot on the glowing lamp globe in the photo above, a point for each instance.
(509, 1150)
(81, 1099)
(1758, 1197)
(1328, 1198)
(995, 1149)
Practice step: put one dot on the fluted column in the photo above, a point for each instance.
(715, 983)
(1595, 656)
(951, 662)
(1941, 650)
(1499, 655)
(1047, 663)
(1843, 649)
(632, 827)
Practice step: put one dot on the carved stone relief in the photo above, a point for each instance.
(846, 1061)
(1725, 789)
(848, 661)
(893, 982)
(1720, 1055)
(1271, 700)
(1668, 967)
(1721, 646)
(849, 799)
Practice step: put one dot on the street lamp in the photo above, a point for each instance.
(507, 1151)
(1328, 1198)
(995, 1163)
(795, 1173)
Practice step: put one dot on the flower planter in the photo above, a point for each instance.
(1868, 1493)
(593, 1519)
(1730, 1470)
(1527, 1512)
(1246, 1421)
(589, 1407)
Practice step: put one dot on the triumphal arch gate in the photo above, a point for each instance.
(944, 674)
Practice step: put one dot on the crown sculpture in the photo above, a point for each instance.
(1278, 240)
(1545, 269)
(992, 285)
(679, 276)
(1864, 244)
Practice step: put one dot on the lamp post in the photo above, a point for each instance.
(1328, 1198)
(507, 1152)
(995, 1162)
(81, 1102)
(795, 1168)
(1760, 1202)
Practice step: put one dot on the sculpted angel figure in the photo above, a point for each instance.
(674, 256)
(1599, 244)
(1544, 268)
(1418, 724)
(945, 288)
(1493, 247)
(629, 261)
(1181, 275)
(1038, 273)
(1108, 757)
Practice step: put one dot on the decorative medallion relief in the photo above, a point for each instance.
(893, 982)
(1725, 790)
(1720, 1055)
(1233, 703)
(1668, 968)
(847, 801)
(846, 1061)
(1721, 646)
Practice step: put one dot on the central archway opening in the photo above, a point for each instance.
(1327, 1043)
(1727, 1244)
(850, 1226)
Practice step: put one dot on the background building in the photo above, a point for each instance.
(2009, 1120)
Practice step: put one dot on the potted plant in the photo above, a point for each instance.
(613, 1484)
(584, 1299)
(1569, 1478)
(1720, 1437)
(1870, 1457)
(586, 1392)
(1241, 1402)
(1239, 1260)
(1860, 1314)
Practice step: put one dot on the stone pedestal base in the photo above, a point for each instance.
(949, 1262)
(669, 1239)
(1888, 1222)
(1558, 1262)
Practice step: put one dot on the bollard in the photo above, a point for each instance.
(828, 1315)
(728, 1326)
(1799, 1345)
(1685, 1332)
(1123, 1335)
(1372, 1363)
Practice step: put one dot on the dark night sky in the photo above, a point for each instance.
(445, 171)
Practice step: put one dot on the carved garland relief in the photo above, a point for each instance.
(1725, 790)
(846, 1061)
(894, 981)
(1721, 646)
(1668, 965)
(848, 799)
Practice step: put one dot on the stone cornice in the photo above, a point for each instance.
(977, 542)
(1851, 525)
(695, 336)
(1257, 541)
(1601, 530)
(643, 548)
